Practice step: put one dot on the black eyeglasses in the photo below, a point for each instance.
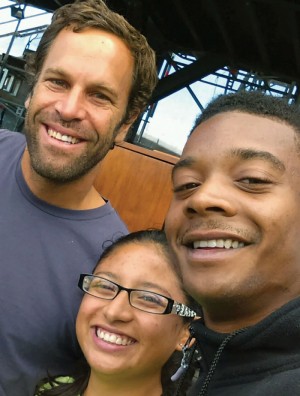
(141, 299)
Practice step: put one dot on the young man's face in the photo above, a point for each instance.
(234, 222)
(78, 103)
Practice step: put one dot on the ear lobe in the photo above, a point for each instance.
(185, 334)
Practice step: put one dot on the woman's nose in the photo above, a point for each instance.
(119, 308)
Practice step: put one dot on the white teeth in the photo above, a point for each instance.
(228, 243)
(63, 138)
(113, 338)
(212, 243)
(218, 243)
(106, 337)
(235, 244)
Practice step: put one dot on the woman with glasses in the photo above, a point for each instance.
(133, 320)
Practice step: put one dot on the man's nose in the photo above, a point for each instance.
(214, 195)
(71, 105)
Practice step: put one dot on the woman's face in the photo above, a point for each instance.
(119, 339)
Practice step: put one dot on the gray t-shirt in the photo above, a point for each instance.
(43, 249)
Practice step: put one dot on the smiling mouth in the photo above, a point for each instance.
(114, 338)
(217, 243)
(63, 138)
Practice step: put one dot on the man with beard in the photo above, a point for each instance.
(93, 74)
(234, 226)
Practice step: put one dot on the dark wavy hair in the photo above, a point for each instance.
(95, 14)
(81, 375)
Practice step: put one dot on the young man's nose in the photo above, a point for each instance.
(211, 197)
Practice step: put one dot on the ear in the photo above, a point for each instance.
(121, 135)
(27, 102)
(185, 334)
(124, 128)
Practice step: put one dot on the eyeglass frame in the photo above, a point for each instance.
(173, 306)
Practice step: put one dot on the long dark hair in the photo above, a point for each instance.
(81, 375)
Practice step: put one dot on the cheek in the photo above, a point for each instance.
(85, 312)
(40, 99)
(175, 216)
(170, 225)
(277, 226)
(80, 320)
(166, 332)
(152, 329)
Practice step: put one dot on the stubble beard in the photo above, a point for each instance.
(76, 167)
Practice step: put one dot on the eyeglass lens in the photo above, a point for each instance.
(141, 299)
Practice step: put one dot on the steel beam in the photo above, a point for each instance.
(202, 67)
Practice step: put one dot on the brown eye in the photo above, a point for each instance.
(254, 180)
(59, 83)
(187, 186)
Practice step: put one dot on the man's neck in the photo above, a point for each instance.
(227, 317)
(76, 195)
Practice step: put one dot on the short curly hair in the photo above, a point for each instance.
(253, 102)
(95, 14)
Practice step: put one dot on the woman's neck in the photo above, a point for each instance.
(123, 387)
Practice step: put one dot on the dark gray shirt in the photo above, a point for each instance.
(43, 249)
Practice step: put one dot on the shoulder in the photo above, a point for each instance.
(7, 134)
(12, 145)
(11, 138)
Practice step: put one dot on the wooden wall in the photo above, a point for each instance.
(137, 182)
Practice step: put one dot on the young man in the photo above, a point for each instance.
(234, 226)
(93, 74)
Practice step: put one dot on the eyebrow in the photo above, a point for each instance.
(187, 162)
(244, 154)
(55, 70)
(155, 286)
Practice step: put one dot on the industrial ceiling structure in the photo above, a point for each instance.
(261, 36)
(244, 38)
